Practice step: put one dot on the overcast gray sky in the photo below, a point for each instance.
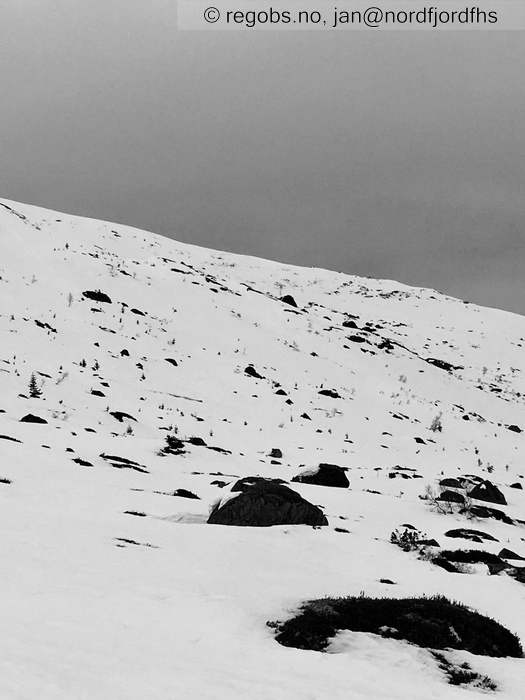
(398, 155)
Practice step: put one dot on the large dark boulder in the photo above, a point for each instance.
(487, 491)
(324, 475)
(266, 503)
(248, 481)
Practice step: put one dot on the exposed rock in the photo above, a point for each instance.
(487, 491)
(276, 453)
(451, 482)
(97, 296)
(475, 556)
(442, 364)
(82, 462)
(324, 475)
(469, 534)
(184, 493)
(516, 485)
(30, 418)
(11, 439)
(248, 481)
(518, 573)
(252, 372)
(445, 564)
(509, 554)
(120, 415)
(332, 393)
(265, 504)
(451, 497)
(428, 543)
(288, 299)
(357, 339)
(197, 441)
(123, 463)
(486, 512)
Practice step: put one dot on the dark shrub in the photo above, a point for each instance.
(173, 444)
(435, 623)
(462, 674)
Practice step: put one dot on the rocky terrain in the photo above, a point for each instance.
(193, 444)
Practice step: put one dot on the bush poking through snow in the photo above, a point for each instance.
(437, 424)
(463, 674)
(433, 623)
(408, 539)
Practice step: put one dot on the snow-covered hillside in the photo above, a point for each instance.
(113, 587)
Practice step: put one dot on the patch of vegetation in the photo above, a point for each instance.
(408, 539)
(430, 622)
(463, 674)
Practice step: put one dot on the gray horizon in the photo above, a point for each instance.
(393, 155)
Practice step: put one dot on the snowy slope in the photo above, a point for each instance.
(100, 603)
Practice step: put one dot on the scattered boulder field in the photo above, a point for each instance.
(193, 442)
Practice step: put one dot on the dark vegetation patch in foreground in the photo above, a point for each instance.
(434, 623)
